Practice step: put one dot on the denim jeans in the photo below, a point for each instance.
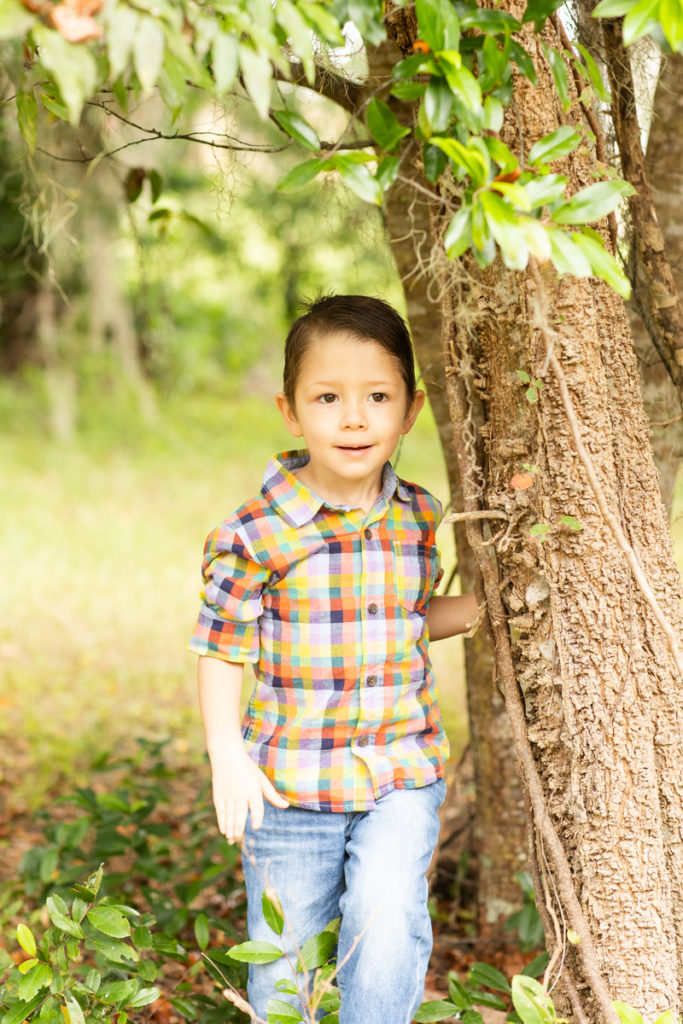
(367, 867)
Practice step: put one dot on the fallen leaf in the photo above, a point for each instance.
(522, 481)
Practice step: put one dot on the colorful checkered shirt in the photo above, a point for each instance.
(330, 604)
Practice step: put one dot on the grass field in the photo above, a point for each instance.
(100, 549)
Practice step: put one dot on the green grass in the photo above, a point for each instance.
(100, 552)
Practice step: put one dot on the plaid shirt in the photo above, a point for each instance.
(330, 604)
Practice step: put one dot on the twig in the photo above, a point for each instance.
(667, 423)
(458, 517)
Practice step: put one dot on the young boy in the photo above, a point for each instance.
(325, 582)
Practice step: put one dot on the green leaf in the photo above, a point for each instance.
(324, 24)
(408, 90)
(593, 203)
(546, 189)
(469, 159)
(435, 1009)
(551, 147)
(573, 524)
(493, 114)
(93, 980)
(121, 32)
(148, 52)
(523, 376)
(488, 999)
(20, 1011)
(272, 911)
(280, 1012)
(529, 998)
(537, 966)
(58, 911)
(27, 117)
(26, 939)
(566, 255)
(387, 171)
(467, 94)
(74, 1013)
(439, 24)
(71, 64)
(613, 8)
(559, 73)
(540, 530)
(317, 950)
(627, 1013)
(26, 965)
(603, 264)
(491, 977)
(225, 61)
(490, 20)
(156, 184)
(670, 16)
(144, 997)
(300, 175)
(503, 226)
(298, 128)
(299, 37)
(668, 1017)
(357, 177)
(636, 22)
(255, 952)
(116, 952)
(472, 1017)
(539, 11)
(258, 75)
(142, 937)
(110, 921)
(459, 995)
(384, 125)
(201, 931)
(38, 977)
(514, 193)
(601, 90)
(437, 104)
(434, 160)
(117, 992)
(458, 237)
(15, 19)
(524, 61)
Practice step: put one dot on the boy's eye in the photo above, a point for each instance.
(378, 396)
(327, 399)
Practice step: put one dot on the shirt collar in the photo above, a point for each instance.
(296, 503)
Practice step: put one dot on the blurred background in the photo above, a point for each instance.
(145, 298)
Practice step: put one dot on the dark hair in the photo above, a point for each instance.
(361, 316)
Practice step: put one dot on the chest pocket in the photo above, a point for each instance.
(416, 573)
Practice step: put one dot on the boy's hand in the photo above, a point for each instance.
(239, 786)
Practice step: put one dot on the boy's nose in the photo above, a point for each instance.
(353, 416)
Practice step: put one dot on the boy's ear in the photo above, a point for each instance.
(413, 411)
(288, 414)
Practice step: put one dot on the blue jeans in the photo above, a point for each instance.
(367, 867)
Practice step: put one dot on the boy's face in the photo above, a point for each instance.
(350, 407)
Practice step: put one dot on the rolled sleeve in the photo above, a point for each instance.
(228, 622)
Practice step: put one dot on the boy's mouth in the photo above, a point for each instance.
(354, 447)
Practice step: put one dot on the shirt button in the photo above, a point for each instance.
(372, 609)
(363, 741)
(368, 534)
(371, 680)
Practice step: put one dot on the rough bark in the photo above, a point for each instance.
(598, 681)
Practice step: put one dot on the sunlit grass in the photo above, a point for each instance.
(100, 552)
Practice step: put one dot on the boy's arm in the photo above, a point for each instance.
(450, 615)
(239, 785)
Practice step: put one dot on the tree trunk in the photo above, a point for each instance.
(586, 653)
